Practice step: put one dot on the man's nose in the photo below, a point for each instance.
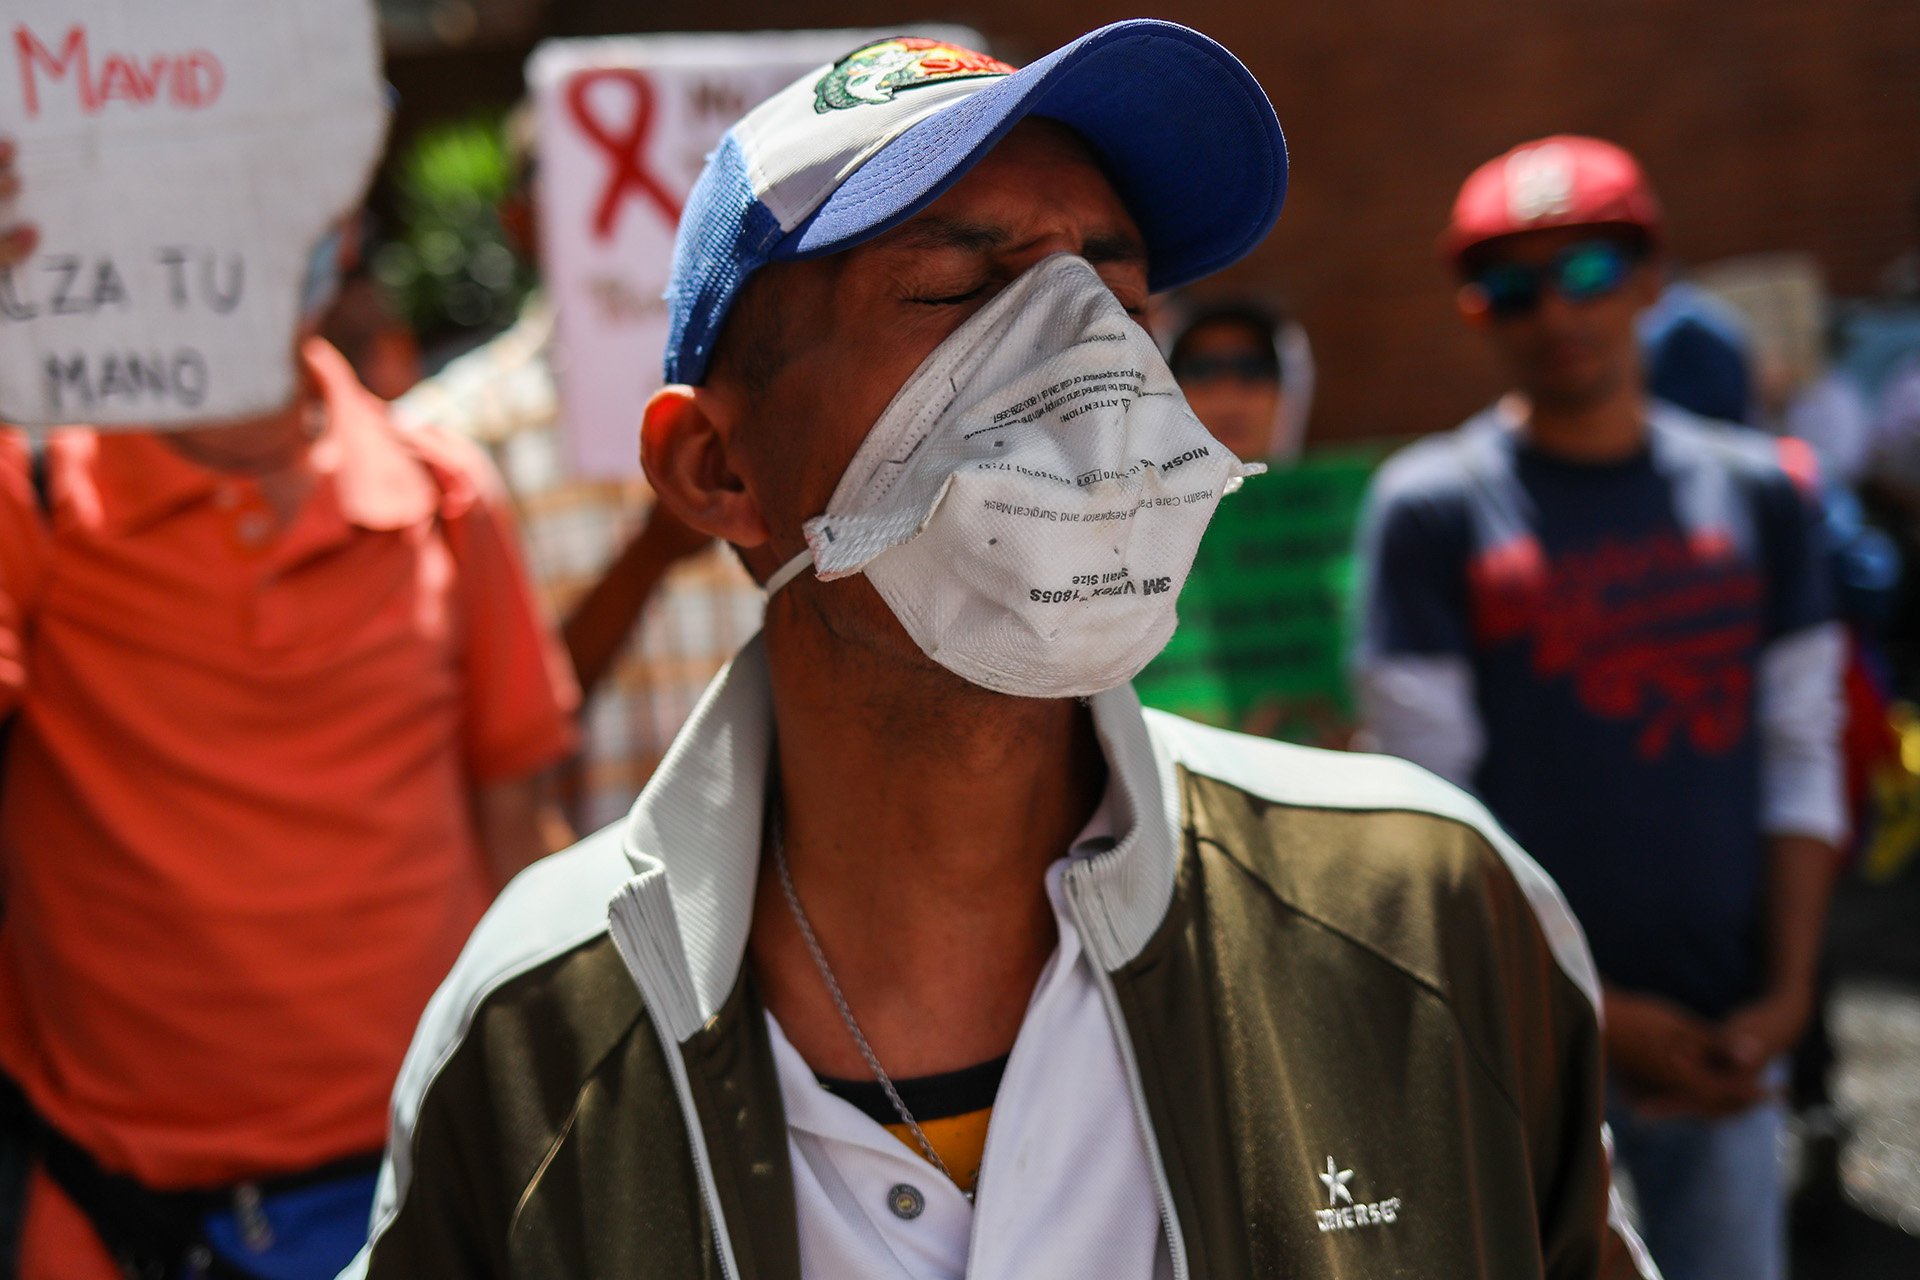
(1554, 311)
(1043, 247)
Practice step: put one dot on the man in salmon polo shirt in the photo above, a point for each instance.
(280, 703)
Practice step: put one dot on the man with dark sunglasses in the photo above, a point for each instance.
(1248, 376)
(1609, 618)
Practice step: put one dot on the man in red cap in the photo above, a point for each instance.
(1608, 617)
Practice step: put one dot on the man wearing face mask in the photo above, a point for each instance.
(926, 952)
(1612, 619)
(279, 703)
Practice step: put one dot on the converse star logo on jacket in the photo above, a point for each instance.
(1343, 1212)
(1337, 1183)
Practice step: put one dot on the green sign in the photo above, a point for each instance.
(1264, 618)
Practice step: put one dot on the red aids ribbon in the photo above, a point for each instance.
(626, 151)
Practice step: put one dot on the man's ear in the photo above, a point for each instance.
(685, 448)
(1471, 300)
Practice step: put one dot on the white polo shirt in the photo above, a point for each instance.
(1066, 1185)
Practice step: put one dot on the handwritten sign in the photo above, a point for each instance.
(1265, 614)
(181, 161)
(624, 128)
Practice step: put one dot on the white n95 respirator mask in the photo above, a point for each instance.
(1030, 502)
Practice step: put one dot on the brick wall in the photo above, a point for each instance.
(1766, 124)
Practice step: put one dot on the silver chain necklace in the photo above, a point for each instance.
(840, 1001)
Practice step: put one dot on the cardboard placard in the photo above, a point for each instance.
(180, 161)
(1783, 299)
(625, 125)
(1265, 615)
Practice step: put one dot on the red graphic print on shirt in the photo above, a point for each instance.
(1658, 631)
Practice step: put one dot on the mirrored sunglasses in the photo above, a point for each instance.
(1580, 272)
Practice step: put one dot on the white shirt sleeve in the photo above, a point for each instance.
(1421, 708)
(1801, 712)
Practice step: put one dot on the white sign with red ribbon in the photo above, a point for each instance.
(624, 128)
(181, 161)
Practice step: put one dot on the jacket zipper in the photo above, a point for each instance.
(1078, 889)
(682, 1088)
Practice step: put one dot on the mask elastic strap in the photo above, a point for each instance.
(789, 571)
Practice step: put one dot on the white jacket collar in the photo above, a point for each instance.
(693, 842)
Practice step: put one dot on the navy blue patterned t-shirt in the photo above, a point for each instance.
(1613, 616)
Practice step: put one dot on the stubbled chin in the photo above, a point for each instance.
(1572, 381)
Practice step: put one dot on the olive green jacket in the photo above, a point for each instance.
(1324, 964)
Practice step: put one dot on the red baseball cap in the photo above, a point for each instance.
(1562, 181)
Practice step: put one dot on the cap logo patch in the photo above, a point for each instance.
(874, 73)
(1539, 183)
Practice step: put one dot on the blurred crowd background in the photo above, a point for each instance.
(1767, 126)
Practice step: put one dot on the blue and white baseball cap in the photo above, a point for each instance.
(855, 148)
